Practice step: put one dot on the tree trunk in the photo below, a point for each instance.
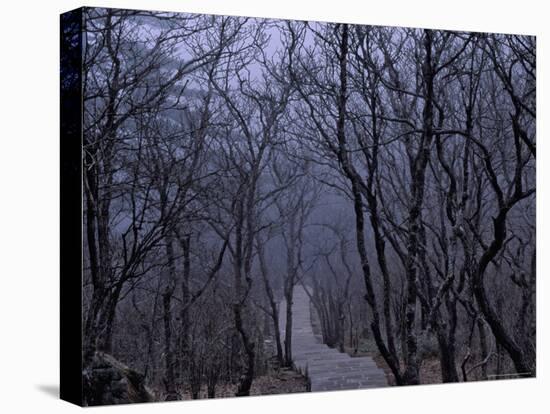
(447, 354)
(483, 346)
(524, 362)
(289, 297)
(246, 379)
(242, 263)
(391, 359)
(169, 376)
(185, 242)
(274, 308)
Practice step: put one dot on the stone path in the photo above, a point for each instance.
(327, 368)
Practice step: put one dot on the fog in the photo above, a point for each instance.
(388, 172)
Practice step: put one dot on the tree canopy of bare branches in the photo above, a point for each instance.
(226, 160)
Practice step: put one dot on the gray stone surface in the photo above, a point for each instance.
(327, 368)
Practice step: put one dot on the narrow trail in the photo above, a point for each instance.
(327, 368)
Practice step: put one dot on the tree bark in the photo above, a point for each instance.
(169, 357)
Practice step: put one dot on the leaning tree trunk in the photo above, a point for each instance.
(343, 158)
(524, 362)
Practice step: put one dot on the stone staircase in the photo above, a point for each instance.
(327, 368)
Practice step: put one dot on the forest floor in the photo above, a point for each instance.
(430, 370)
(285, 381)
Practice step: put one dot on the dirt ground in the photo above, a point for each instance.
(430, 370)
(285, 381)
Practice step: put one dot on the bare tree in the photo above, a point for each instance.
(226, 160)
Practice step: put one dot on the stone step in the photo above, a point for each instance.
(327, 368)
(343, 377)
(315, 366)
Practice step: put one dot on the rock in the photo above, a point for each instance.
(108, 381)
